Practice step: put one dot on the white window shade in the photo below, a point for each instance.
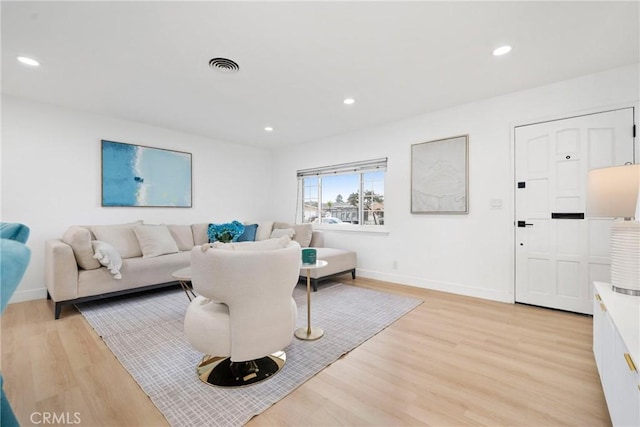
(355, 167)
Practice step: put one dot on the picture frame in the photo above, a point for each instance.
(440, 176)
(141, 176)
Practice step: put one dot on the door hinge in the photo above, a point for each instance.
(634, 131)
(522, 184)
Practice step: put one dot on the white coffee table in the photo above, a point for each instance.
(310, 333)
(183, 276)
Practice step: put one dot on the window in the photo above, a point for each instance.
(350, 193)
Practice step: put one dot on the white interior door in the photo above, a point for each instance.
(559, 251)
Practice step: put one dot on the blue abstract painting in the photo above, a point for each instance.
(135, 175)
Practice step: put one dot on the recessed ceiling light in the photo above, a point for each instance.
(268, 129)
(349, 101)
(28, 61)
(502, 50)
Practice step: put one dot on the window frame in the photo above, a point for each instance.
(355, 168)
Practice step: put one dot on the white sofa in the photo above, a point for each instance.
(74, 276)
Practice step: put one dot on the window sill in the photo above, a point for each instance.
(351, 228)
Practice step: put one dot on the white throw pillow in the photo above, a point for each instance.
(183, 236)
(79, 238)
(279, 232)
(108, 256)
(264, 230)
(121, 237)
(199, 231)
(263, 245)
(155, 240)
(304, 234)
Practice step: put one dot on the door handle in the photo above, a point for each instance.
(523, 224)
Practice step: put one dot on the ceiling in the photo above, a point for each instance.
(148, 61)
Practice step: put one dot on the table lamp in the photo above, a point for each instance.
(614, 192)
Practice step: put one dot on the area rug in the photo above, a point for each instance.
(145, 332)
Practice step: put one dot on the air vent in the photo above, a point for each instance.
(224, 65)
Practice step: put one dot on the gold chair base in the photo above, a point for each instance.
(221, 372)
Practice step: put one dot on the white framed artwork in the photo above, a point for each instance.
(439, 176)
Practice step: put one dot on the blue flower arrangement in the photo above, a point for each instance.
(225, 233)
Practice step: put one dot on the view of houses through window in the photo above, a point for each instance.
(351, 198)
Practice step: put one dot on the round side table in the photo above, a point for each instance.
(309, 333)
(183, 276)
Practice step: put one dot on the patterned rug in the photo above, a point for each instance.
(145, 332)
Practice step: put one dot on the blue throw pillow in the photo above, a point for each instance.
(249, 234)
(228, 232)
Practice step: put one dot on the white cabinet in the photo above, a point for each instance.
(616, 347)
(627, 385)
(598, 320)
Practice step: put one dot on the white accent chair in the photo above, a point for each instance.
(245, 312)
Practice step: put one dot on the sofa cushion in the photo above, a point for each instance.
(317, 239)
(136, 272)
(120, 237)
(249, 234)
(200, 236)
(339, 260)
(79, 238)
(14, 231)
(277, 224)
(279, 232)
(183, 236)
(303, 235)
(155, 240)
(303, 232)
(264, 230)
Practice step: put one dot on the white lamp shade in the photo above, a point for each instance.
(614, 192)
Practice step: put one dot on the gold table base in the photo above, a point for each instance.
(186, 287)
(309, 334)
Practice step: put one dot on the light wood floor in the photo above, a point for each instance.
(453, 361)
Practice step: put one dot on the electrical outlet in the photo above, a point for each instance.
(395, 265)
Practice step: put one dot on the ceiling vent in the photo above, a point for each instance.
(224, 65)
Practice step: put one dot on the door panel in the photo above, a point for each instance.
(539, 275)
(557, 259)
(602, 148)
(568, 278)
(538, 156)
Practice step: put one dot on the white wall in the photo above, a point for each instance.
(466, 254)
(51, 176)
(50, 179)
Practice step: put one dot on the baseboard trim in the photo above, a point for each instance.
(453, 288)
(28, 295)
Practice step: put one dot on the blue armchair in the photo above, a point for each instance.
(14, 259)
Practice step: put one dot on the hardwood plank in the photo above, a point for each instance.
(453, 361)
(63, 367)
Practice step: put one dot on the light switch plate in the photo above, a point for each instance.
(496, 203)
